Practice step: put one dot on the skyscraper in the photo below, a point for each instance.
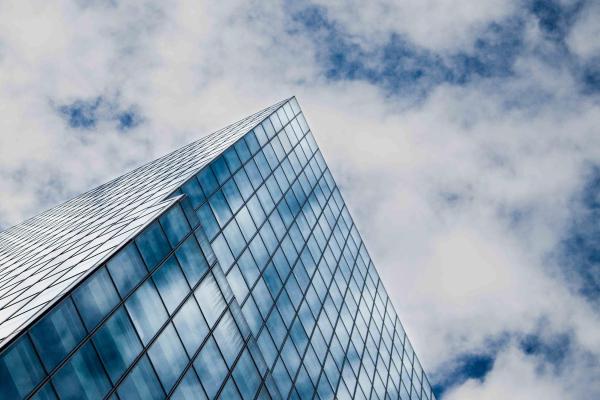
(230, 268)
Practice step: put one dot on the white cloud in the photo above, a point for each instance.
(583, 38)
(461, 198)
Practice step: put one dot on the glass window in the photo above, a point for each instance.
(146, 310)
(82, 377)
(232, 159)
(220, 208)
(193, 191)
(208, 221)
(210, 299)
(246, 224)
(211, 368)
(259, 251)
(153, 245)
(261, 135)
(175, 225)
(207, 180)
(237, 283)
(228, 338)
(95, 298)
(251, 141)
(220, 170)
(233, 196)
(234, 238)
(248, 267)
(243, 151)
(253, 174)
(191, 326)
(45, 393)
(171, 283)
(117, 344)
(141, 383)
(57, 333)
(222, 252)
(20, 370)
(168, 357)
(127, 269)
(191, 260)
(189, 388)
(256, 211)
(243, 184)
(263, 165)
(229, 391)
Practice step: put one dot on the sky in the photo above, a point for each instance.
(464, 136)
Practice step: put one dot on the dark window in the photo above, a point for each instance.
(175, 225)
(211, 368)
(191, 260)
(57, 334)
(141, 383)
(153, 245)
(146, 311)
(95, 298)
(171, 283)
(127, 269)
(20, 370)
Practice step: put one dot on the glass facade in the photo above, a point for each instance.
(253, 283)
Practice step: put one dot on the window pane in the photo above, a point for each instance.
(210, 368)
(220, 208)
(153, 245)
(208, 221)
(20, 370)
(127, 269)
(95, 298)
(141, 383)
(175, 225)
(171, 283)
(146, 310)
(45, 393)
(117, 344)
(82, 377)
(233, 196)
(222, 252)
(168, 357)
(189, 388)
(246, 376)
(193, 192)
(191, 326)
(191, 260)
(228, 339)
(220, 169)
(57, 334)
(234, 238)
(210, 299)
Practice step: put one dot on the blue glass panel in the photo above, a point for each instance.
(153, 245)
(20, 370)
(246, 376)
(233, 196)
(207, 180)
(189, 388)
(234, 238)
(146, 310)
(228, 338)
(168, 357)
(117, 344)
(210, 299)
(219, 167)
(190, 325)
(141, 383)
(127, 269)
(246, 224)
(95, 298)
(208, 221)
(45, 393)
(194, 193)
(232, 159)
(191, 260)
(223, 252)
(252, 143)
(253, 174)
(243, 184)
(57, 333)
(210, 367)
(220, 208)
(171, 283)
(82, 377)
(243, 151)
(175, 225)
(229, 392)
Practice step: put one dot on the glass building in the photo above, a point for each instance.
(230, 268)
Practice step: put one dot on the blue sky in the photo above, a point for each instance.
(464, 135)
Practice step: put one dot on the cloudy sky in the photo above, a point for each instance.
(465, 136)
